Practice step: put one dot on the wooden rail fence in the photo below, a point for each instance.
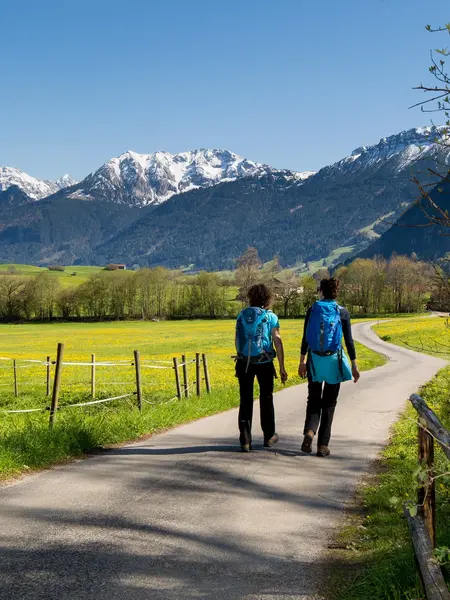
(93, 364)
(422, 526)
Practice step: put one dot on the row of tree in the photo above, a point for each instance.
(367, 286)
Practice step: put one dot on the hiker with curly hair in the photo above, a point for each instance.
(325, 364)
(258, 342)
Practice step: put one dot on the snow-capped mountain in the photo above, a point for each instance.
(333, 213)
(34, 188)
(143, 179)
(401, 151)
(65, 181)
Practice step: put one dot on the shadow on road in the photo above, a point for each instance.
(170, 530)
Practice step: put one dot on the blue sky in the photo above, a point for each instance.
(293, 83)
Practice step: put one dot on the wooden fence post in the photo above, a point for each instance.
(206, 371)
(56, 384)
(137, 366)
(177, 377)
(198, 377)
(427, 490)
(93, 376)
(16, 390)
(185, 376)
(48, 375)
(430, 571)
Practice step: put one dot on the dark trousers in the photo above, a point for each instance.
(322, 400)
(265, 374)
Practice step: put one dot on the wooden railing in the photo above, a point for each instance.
(422, 525)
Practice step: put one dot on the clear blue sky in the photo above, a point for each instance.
(293, 83)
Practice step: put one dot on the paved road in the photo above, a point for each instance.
(184, 516)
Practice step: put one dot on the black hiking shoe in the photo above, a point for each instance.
(307, 442)
(272, 441)
(323, 450)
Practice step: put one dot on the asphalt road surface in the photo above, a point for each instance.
(184, 515)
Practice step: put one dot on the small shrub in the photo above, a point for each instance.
(55, 268)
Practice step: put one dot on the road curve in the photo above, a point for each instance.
(184, 516)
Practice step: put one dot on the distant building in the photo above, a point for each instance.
(116, 267)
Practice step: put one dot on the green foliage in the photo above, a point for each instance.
(381, 565)
(367, 287)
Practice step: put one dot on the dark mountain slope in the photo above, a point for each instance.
(209, 228)
(412, 232)
(14, 196)
(58, 230)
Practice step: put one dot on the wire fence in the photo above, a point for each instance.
(62, 384)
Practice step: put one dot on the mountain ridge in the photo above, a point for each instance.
(145, 179)
(226, 202)
(34, 188)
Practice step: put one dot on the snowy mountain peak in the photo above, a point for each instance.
(145, 179)
(31, 186)
(65, 181)
(421, 137)
(404, 149)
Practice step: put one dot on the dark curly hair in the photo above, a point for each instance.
(259, 295)
(329, 288)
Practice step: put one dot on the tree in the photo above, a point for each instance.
(67, 302)
(152, 288)
(11, 289)
(94, 296)
(248, 270)
(308, 286)
(438, 101)
(271, 269)
(40, 295)
(287, 290)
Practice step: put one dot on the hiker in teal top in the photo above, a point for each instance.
(257, 332)
(325, 363)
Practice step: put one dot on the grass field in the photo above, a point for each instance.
(431, 336)
(379, 563)
(70, 277)
(25, 441)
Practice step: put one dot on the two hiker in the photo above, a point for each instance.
(322, 361)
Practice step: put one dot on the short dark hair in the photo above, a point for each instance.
(259, 295)
(329, 288)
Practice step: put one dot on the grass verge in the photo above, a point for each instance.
(378, 563)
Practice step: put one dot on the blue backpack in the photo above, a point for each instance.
(254, 338)
(324, 331)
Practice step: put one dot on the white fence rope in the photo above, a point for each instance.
(26, 410)
(96, 401)
(29, 360)
(169, 362)
(93, 364)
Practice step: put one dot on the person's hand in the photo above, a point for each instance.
(356, 374)
(302, 370)
(283, 375)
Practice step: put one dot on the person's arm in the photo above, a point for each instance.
(349, 343)
(276, 337)
(302, 369)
